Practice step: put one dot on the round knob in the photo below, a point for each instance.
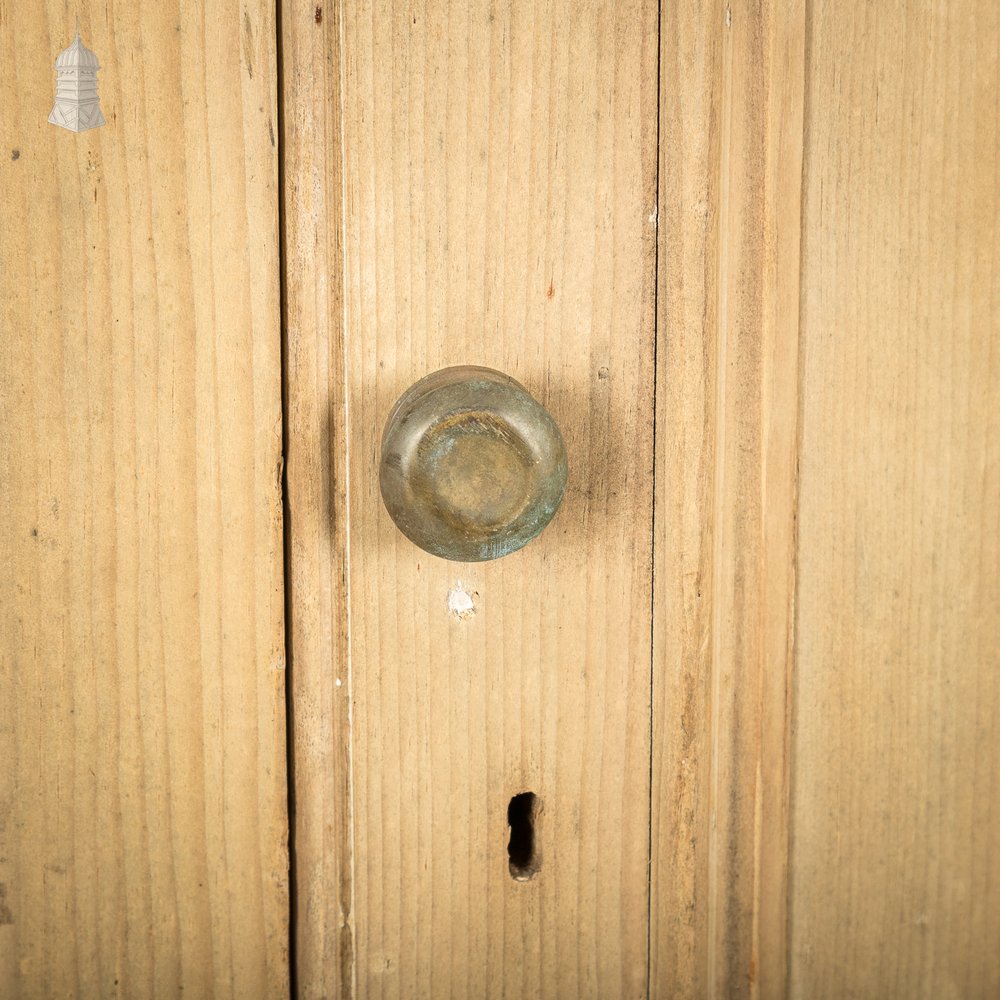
(472, 466)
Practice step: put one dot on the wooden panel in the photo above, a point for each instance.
(499, 185)
(731, 113)
(895, 882)
(142, 803)
(316, 479)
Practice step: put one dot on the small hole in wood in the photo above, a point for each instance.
(522, 848)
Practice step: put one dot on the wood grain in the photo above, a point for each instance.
(316, 482)
(731, 92)
(499, 182)
(142, 798)
(895, 882)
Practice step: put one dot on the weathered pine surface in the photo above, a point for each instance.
(316, 430)
(824, 627)
(731, 105)
(752, 683)
(142, 784)
(499, 208)
(895, 882)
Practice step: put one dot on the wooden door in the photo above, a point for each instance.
(792, 609)
(746, 253)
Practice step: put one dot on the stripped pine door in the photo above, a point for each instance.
(817, 536)
(747, 254)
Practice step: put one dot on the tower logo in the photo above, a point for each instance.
(77, 105)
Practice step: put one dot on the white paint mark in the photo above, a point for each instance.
(338, 682)
(460, 601)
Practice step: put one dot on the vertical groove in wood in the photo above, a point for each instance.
(142, 801)
(731, 140)
(316, 494)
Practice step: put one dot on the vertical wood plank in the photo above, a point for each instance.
(895, 882)
(142, 800)
(730, 167)
(316, 480)
(499, 209)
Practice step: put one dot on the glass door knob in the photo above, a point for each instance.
(472, 466)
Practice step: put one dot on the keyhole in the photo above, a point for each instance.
(522, 848)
